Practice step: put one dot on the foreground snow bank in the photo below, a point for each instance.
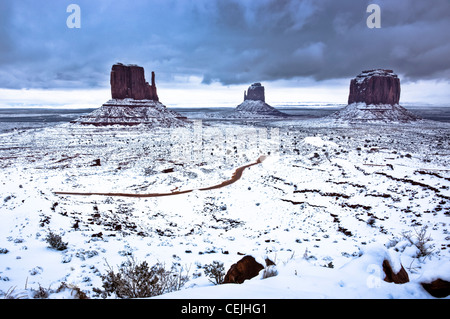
(297, 278)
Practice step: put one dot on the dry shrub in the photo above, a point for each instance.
(138, 280)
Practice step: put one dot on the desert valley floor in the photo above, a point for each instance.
(327, 204)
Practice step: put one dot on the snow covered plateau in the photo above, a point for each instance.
(328, 204)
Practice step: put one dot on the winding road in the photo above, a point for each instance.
(235, 177)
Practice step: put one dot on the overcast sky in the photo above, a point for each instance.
(224, 43)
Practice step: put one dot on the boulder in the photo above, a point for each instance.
(244, 269)
(400, 277)
(377, 86)
(438, 288)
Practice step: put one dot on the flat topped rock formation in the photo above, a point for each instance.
(128, 81)
(134, 101)
(375, 87)
(374, 96)
(255, 92)
(254, 106)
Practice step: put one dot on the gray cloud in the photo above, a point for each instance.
(228, 41)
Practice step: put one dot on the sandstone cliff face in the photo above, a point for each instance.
(128, 81)
(255, 92)
(375, 87)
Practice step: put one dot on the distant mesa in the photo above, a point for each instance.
(134, 101)
(255, 105)
(375, 96)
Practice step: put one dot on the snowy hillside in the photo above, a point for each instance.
(133, 112)
(328, 204)
(258, 107)
(249, 109)
(360, 112)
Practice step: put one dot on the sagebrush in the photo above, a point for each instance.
(138, 280)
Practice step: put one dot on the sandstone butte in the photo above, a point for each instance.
(374, 96)
(134, 101)
(377, 86)
(255, 92)
(128, 81)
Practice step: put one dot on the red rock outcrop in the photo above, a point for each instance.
(133, 102)
(128, 81)
(244, 269)
(255, 92)
(438, 288)
(400, 277)
(377, 86)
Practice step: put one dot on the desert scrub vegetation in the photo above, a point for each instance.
(70, 291)
(74, 291)
(137, 280)
(215, 272)
(419, 239)
(55, 241)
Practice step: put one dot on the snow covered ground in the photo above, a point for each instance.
(328, 205)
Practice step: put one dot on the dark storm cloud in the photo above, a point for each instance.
(228, 41)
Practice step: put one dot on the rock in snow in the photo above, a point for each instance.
(244, 269)
(133, 102)
(374, 96)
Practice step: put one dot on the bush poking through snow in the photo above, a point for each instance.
(215, 271)
(135, 280)
(55, 241)
(421, 240)
(72, 292)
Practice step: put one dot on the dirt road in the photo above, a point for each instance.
(235, 177)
